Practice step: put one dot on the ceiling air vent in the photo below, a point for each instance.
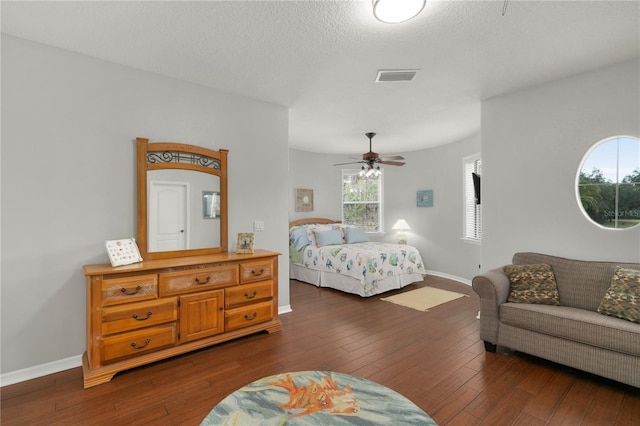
(395, 75)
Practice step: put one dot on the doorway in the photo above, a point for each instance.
(168, 213)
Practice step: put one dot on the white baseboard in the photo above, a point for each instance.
(40, 370)
(284, 309)
(450, 277)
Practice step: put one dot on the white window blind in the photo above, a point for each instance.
(362, 201)
(472, 210)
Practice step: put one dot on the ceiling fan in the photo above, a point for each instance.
(371, 158)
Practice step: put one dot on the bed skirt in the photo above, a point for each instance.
(349, 284)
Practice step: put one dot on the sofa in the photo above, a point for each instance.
(572, 332)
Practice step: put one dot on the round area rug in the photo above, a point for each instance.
(315, 398)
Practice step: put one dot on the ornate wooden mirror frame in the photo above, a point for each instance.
(167, 155)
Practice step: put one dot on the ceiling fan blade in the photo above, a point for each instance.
(392, 163)
(351, 162)
(394, 157)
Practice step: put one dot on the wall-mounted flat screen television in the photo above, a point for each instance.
(476, 186)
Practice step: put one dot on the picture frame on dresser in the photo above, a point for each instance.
(245, 243)
(123, 252)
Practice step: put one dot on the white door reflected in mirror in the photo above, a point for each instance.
(167, 216)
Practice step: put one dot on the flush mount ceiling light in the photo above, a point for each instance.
(395, 11)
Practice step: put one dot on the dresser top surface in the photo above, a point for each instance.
(146, 265)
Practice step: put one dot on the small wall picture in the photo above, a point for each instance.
(304, 200)
(210, 205)
(245, 243)
(424, 198)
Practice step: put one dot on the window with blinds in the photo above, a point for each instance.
(472, 206)
(362, 200)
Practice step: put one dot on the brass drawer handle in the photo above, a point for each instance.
(203, 282)
(135, 316)
(257, 274)
(255, 314)
(252, 296)
(130, 293)
(146, 343)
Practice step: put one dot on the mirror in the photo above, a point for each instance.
(182, 200)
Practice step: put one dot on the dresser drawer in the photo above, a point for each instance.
(180, 282)
(129, 289)
(131, 316)
(248, 315)
(256, 271)
(248, 293)
(137, 342)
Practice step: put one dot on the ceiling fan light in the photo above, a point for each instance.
(396, 11)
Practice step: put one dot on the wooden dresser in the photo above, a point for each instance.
(155, 309)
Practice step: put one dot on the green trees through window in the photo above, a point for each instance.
(609, 183)
(362, 201)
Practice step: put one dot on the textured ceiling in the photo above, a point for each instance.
(320, 58)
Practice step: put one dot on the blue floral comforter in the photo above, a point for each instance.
(368, 262)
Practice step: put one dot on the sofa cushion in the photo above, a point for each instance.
(581, 283)
(532, 284)
(574, 324)
(623, 297)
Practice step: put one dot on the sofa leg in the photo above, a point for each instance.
(489, 347)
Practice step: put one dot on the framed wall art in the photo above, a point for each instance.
(245, 243)
(304, 200)
(424, 198)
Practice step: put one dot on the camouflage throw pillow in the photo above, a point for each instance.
(532, 284)
(623, 297)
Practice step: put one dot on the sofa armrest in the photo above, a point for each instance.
(493, 289)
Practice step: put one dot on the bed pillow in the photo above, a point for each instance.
(312, 229)
(623, 297)
(532, 284)
(355, 235)
(327, 238)
(299, 238)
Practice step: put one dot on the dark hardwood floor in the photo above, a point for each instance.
(433, 358)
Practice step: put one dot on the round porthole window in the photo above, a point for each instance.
(608, 183)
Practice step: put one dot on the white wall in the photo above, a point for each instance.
(532, 144)
(69, 124)
(436, 231)
(316, 171)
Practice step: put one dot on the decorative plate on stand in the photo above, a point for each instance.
(123, 252)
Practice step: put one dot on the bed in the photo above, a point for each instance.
(325, 253)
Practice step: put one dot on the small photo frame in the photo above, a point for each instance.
(123, 252)
(245, 243)
(304, 200)
(424, 198)
(210, 205)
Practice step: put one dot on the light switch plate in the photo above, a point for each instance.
(258, 225)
